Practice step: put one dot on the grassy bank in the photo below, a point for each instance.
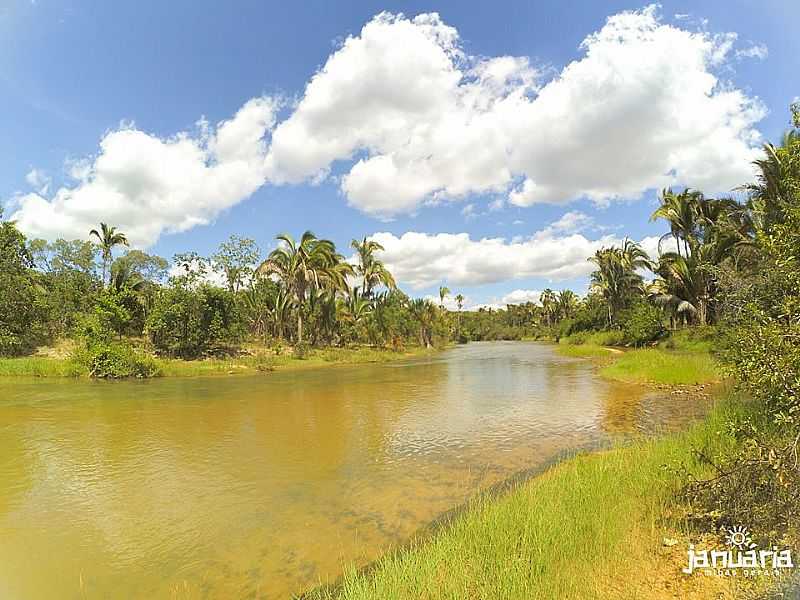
(257, 361)
(38, 366)
(591, 527)
(655, 365)
(684, 358)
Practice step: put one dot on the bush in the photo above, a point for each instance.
(611, 337)
(188, 323)
(101, 356)
(114, 360)
(575, 339)
(642, 323)
(301, 350)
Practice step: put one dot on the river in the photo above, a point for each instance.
(263, 486)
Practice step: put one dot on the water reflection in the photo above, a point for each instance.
(262, 486)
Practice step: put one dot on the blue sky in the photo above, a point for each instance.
(73, 72)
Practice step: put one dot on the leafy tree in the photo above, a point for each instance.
(69, 278)
(149, 267)
(236, 258)
(188, 322)
(22, 310)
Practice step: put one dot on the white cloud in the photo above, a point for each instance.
(642, 108)
(422, 260)
(570, 222)
(655, 248)
(414, 119)
(759, 51)
(38, 180)
(146, 185)
(521, 297)
(556, 253)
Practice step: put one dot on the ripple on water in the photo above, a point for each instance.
(231, 487)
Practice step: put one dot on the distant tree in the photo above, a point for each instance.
(443, 293)
(108, 238)
(236, 259)
(371, 270)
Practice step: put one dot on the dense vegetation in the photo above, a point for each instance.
(121, 312)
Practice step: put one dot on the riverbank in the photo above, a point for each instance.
(591, 527)
(605, 525)
(683, 358)
(255, 361)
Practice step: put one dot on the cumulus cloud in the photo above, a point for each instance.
(557, 252)
(411, 118)
(424, 122)
(146, 185)
(421, 260)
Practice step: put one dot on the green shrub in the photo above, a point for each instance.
(301, 350)
(104, 359)
(642, 323)
(691, 339)
(611, 337)
(575, 339)
(187, 322)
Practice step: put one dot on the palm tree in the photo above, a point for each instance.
(460, 304)
(108, 238)
(279, 308)
(123, 275)
(772, 192)
(371, 270)
(679, 211)
(311, 263)
(617, 278)
(424, 312)
(567, 303)
(548, 301)
(443, 293)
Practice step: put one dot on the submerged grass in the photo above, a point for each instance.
(590, 527)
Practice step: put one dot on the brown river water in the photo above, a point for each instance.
(264, 486)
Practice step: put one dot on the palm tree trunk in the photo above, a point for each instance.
(299, 325)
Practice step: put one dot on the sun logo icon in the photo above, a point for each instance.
(739, 536)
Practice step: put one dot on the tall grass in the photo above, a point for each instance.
(39, 366)
(653, 365)
(586, 351)
(588, 528)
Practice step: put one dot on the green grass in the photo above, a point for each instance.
(653, 365)
(39, 366)
(596, 338)
(694, 339)
(259, 361)
(585, 351)
(590, 527)
(265, 362)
